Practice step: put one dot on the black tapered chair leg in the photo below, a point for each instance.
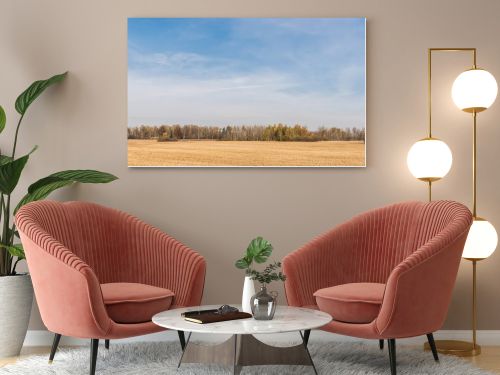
(94, 346)
(182, 339)
(55, 344)
(392, 355)
(381, 344)
(432, 344)
(106, 344)
(307, 333)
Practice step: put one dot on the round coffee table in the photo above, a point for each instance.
(242, 348)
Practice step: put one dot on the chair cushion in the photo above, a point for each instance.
(135, 303)
(351, 303)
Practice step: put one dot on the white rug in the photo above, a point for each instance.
(161, 358)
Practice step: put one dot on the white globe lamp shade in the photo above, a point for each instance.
(481, 241)
(474, 90)
(429, 159)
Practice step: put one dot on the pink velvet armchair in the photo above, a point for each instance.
(99, 273)
(385, 274)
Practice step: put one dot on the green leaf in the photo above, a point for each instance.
(10, 172)
(4, 159)
(43, 187)
(259, 250)
(15, 250)
(31, 93)
(262, 257)
(13, 233)
(3, 119)
(42, 193)
(242, 263)
(86, 176)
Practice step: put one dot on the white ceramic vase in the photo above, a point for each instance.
(16, 298)
(248, 292)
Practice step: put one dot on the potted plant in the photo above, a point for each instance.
(16, 291)
(258, 250)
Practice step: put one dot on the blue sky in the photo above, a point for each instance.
(241, 71)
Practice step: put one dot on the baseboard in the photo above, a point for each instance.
(484, 337)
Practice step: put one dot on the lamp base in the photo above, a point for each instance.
(456, 348)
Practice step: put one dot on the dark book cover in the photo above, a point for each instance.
(213, 317)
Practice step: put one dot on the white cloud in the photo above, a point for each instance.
(259, 98)
(164, 59)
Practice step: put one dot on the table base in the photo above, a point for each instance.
(246, 350)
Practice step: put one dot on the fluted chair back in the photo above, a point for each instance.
(74, 247)
(368, 247)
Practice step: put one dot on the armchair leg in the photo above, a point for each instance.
(307, 333)
(55, 344)
(182, 339)
(392, 355)
(381, 344)
(432, 344)
(94, 345)
(106, 344)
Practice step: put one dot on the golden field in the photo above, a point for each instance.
(244, 153)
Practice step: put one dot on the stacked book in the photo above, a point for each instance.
(213, 316)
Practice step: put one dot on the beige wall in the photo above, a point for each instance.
(81, 124)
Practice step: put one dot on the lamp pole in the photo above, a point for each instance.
(476, 349)
(474, 165)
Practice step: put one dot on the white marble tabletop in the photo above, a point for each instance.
(286, 319)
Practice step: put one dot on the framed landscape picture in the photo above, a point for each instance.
(246, 92)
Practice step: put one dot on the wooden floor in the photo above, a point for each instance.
(26, 352)
(488, 360)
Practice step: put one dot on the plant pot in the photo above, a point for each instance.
(16, 298)
(248, 292)
(264, 304)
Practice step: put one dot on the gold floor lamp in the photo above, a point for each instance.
(430, 159)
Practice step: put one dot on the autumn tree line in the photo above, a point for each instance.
(276, 132)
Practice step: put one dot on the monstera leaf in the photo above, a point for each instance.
(31, 93)
(258, 250)
(242, 263)
(43, 187)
